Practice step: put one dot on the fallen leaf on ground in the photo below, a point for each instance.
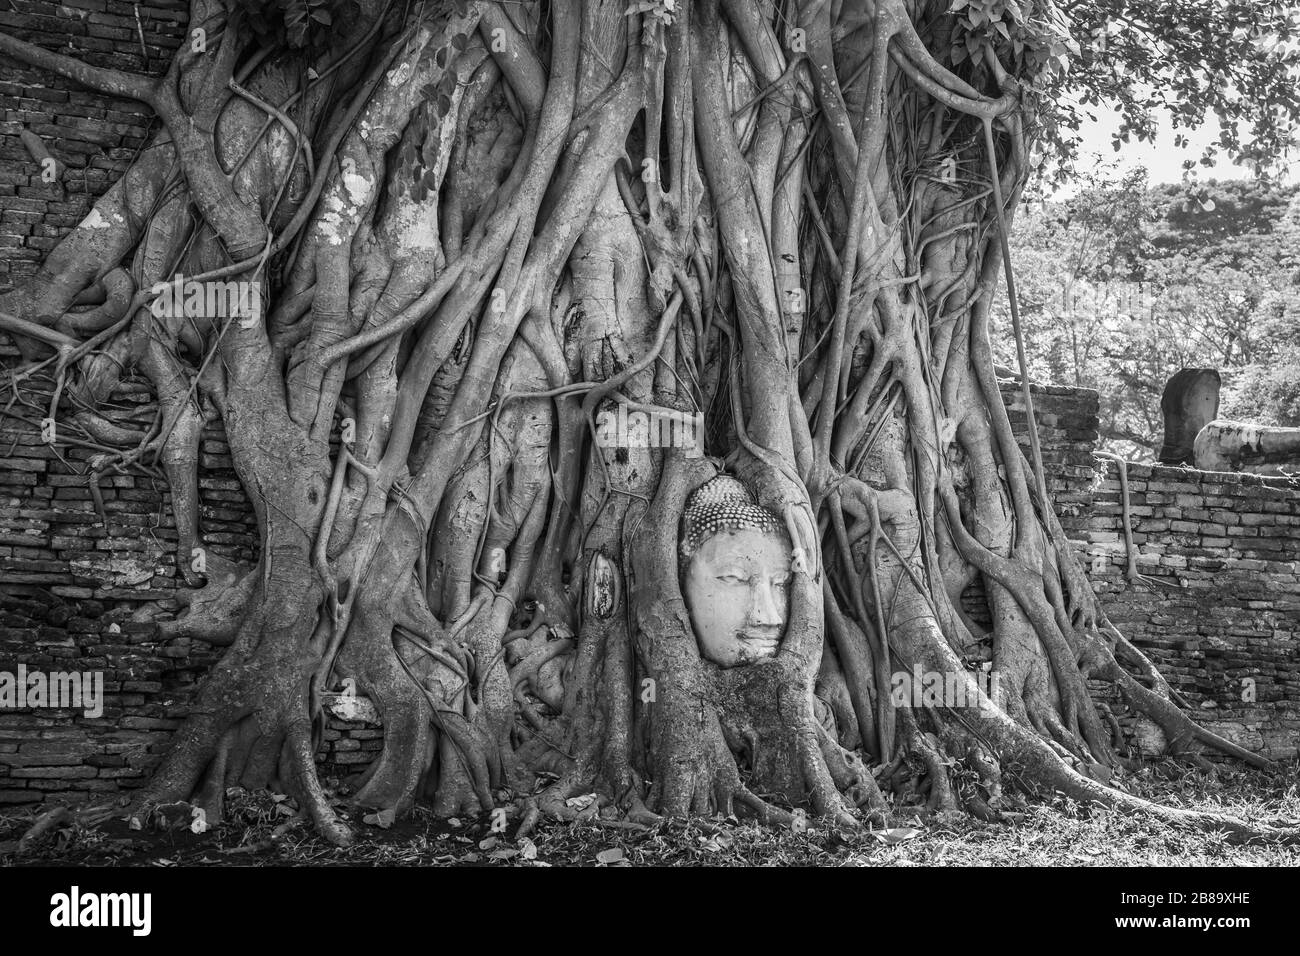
(383, 819)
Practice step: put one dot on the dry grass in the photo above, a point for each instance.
(1052, 832)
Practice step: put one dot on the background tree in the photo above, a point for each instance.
(1267, 390)
(1077, 264)
(1122, 284)
(478, 225)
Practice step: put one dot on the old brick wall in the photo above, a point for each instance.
(1067, 434)
(1218, 604)
(78, 592)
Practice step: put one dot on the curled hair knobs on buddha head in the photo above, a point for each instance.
(723, 503)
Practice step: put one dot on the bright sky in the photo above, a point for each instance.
(1162, 158)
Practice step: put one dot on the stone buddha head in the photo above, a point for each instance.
(735, 564)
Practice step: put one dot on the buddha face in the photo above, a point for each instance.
(737, 591)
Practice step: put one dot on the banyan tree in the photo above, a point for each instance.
(613, 387)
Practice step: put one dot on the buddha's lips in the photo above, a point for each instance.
(760, 638)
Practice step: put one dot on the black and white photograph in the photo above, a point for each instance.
(446, 439)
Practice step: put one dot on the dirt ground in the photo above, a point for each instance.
(264, 829)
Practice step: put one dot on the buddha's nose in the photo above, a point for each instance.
(763, 610)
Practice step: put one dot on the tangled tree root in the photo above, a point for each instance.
(459, 283)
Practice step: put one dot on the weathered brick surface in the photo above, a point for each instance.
(1067, 434)
(1217, 606)
(79, 593)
